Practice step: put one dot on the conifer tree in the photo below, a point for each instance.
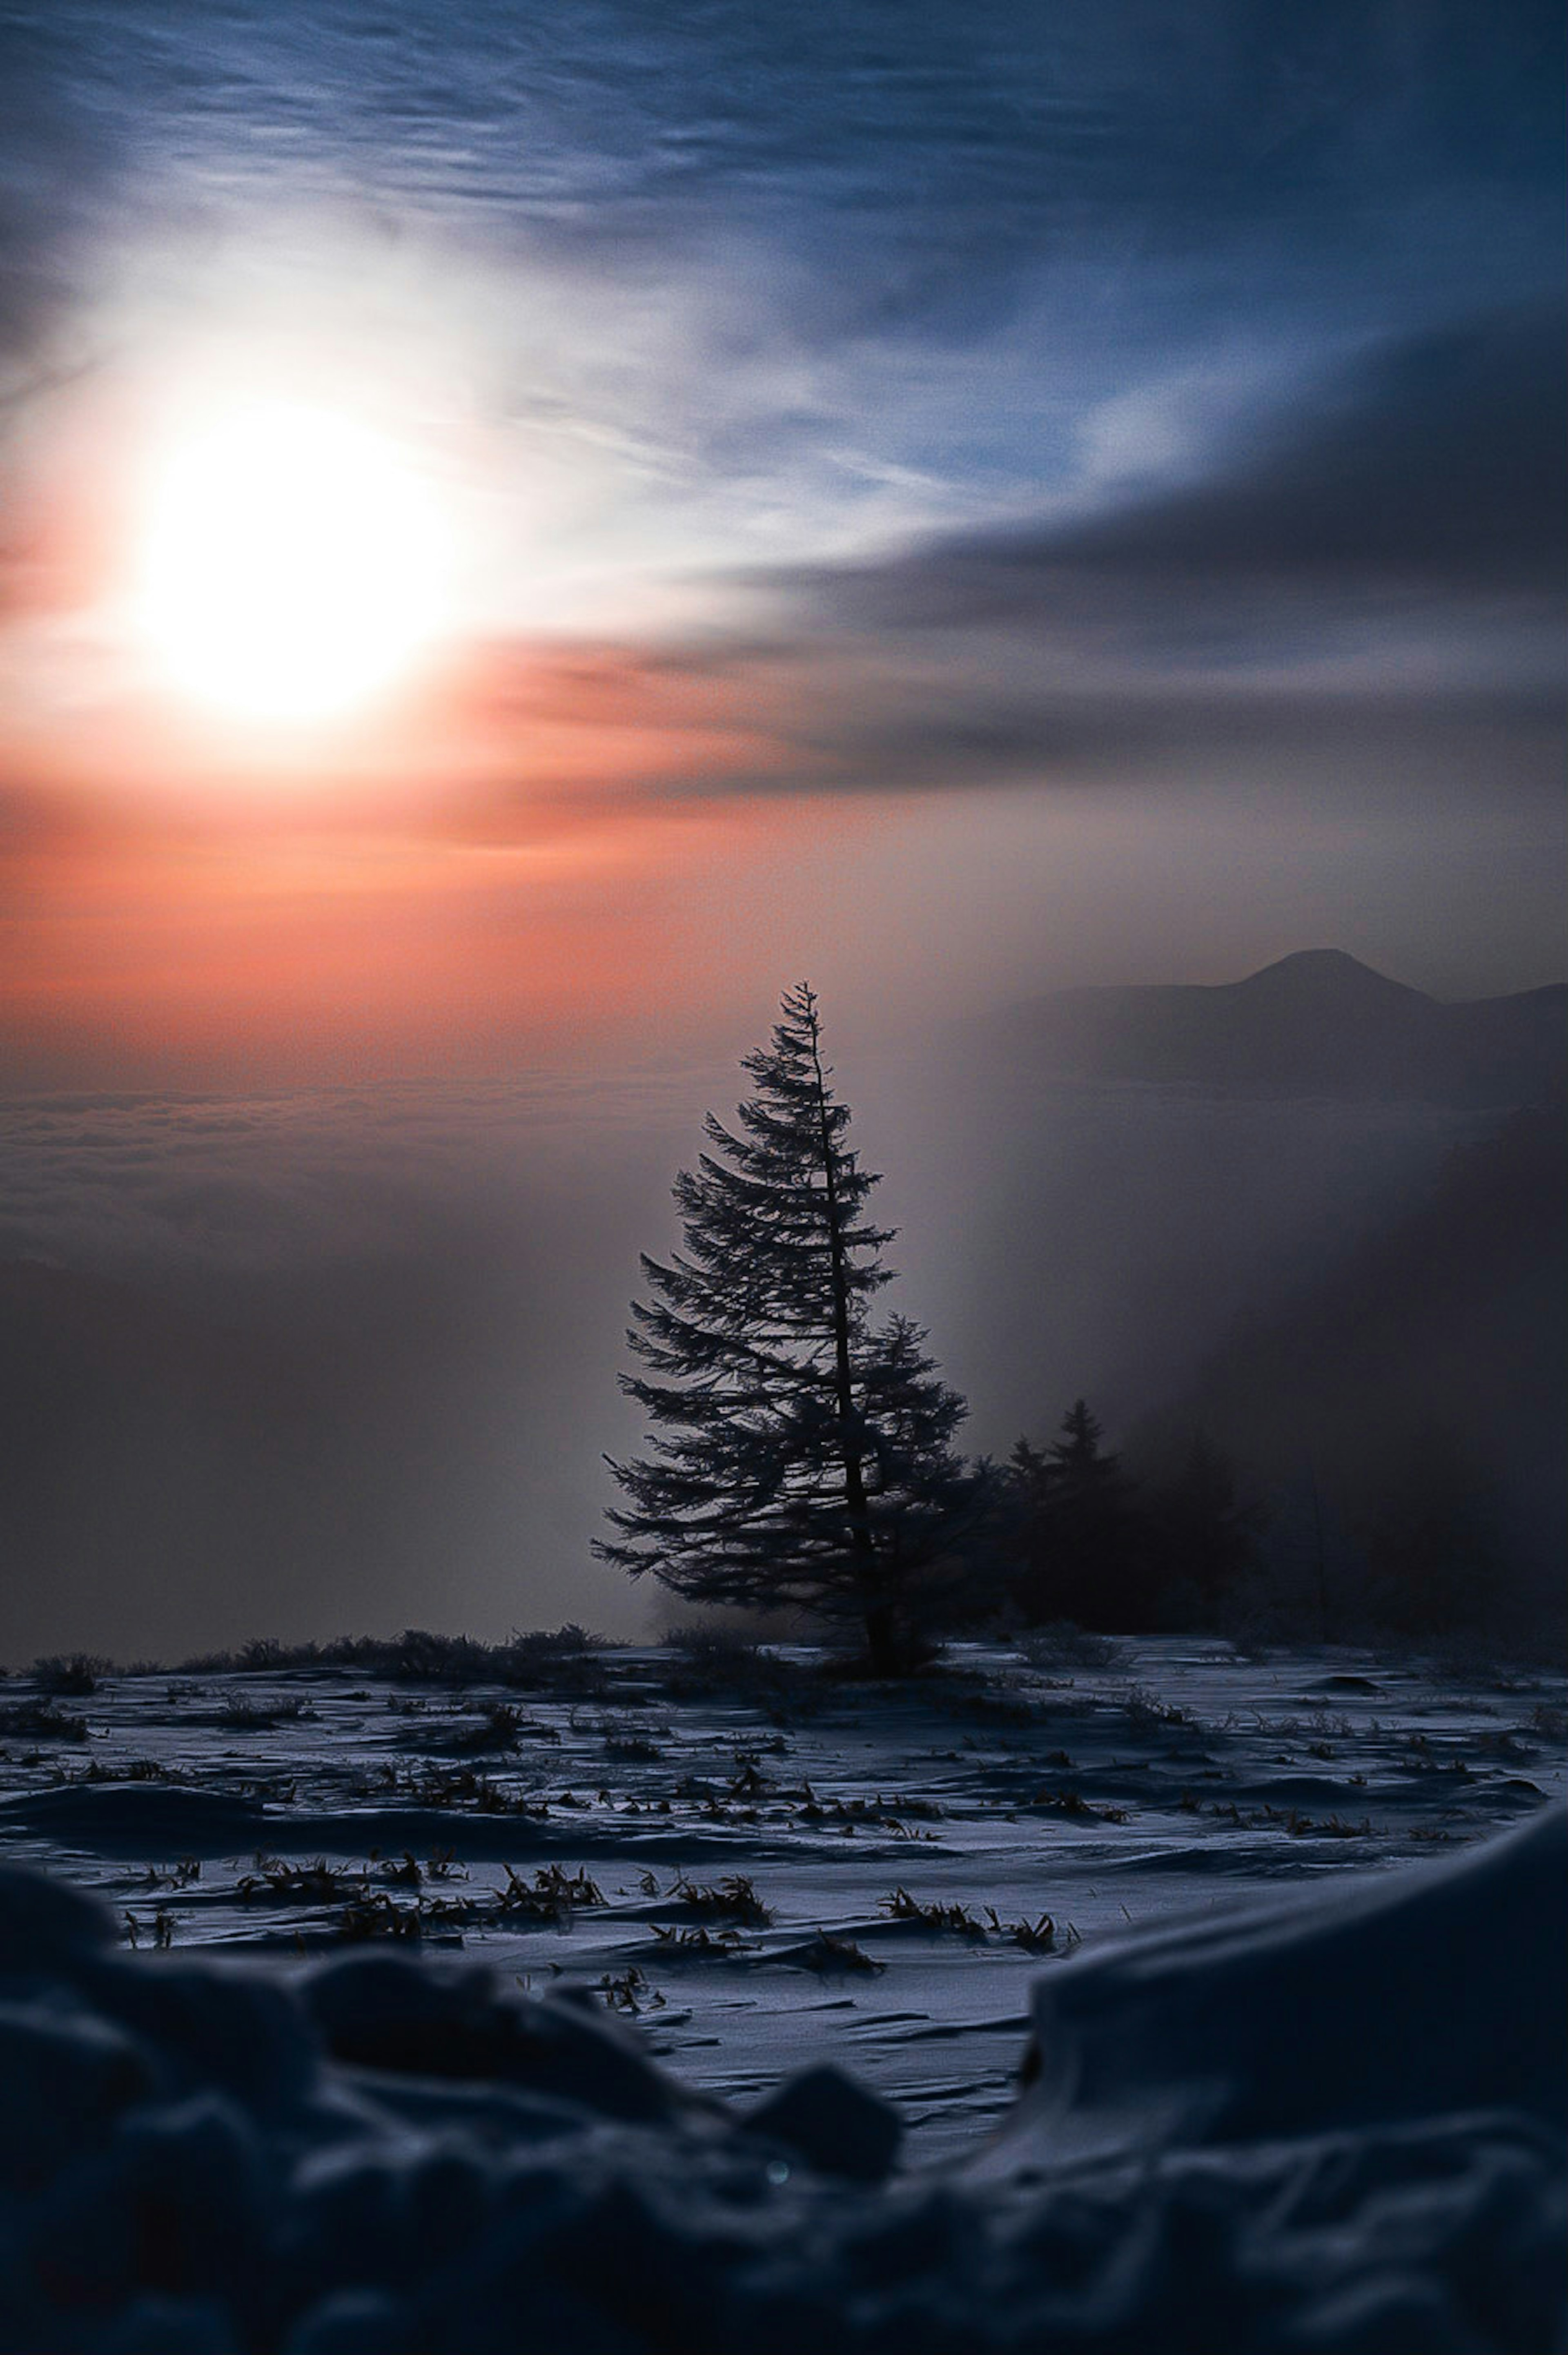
(802, 1450)
(1076, 1536)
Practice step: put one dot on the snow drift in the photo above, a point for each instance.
(1339, 2127)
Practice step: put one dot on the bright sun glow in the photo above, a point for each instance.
(294, 563)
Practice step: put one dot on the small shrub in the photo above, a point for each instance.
(626, 1738)
(934, 1915)
(1076, 1809)
(40, 1721)
(243, 1714)
(418, 1655)
(628, 1991)
(558, 1642)
(377, 1916)
(500, 1726)
(1040, 1937)
(159, 1930)
(716, 1660)
(561, 1660)
(551, 1897)
(697, 1940)
(731, 1899)
(828, 1956)
(883, 1814)
(1065, 1644)
(1145, 1710)
(179, 1876)
(71, 1676)
(267, 1652)
(127, 1770)
(296, 1884)
(448, 1787)
(713, 1647)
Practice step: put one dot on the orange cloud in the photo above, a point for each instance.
(526, 864)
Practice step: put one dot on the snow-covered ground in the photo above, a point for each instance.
(772, 1868)
(739, 1939)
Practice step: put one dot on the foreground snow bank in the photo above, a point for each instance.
(1337, 2128)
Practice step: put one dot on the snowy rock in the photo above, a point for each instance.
(389, 2011)
(210, 2024)
(67, 2078)
(355, 2322)
(41, 1921)
(836, 2125)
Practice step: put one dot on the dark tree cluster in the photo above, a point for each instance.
(1085, 1542)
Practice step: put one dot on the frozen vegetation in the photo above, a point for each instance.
(415, 1997)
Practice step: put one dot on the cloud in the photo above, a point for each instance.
(1373, 573)
(1438, 462)
(1358, 593)
(152, 1187)
(1376, 564)
(903, 172)
(1441, 459)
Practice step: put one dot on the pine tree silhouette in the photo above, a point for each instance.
(802, 1451)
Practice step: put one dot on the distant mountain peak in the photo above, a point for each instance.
(1320, 971)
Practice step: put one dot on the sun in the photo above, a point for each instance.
(294, 563)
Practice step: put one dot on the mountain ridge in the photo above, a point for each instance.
(1317, 1021)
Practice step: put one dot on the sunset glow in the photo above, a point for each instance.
(526, 530)
(295, 563)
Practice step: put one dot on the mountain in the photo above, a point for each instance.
(1316, 1023)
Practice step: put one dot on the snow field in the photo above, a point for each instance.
(1333, 2126)
(755, 1865)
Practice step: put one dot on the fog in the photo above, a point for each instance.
(311, 1363)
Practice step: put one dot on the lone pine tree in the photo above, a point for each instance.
(801, 1453)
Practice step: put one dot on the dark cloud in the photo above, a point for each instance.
(1373, 576)
(1066, 740)
(1377, 570)
(1439, 463)
(1444, 459)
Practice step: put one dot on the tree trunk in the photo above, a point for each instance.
(854, 1479)
(882, 1640)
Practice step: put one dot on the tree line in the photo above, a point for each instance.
(800, 1455)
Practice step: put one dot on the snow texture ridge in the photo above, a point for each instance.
(1337, 2128)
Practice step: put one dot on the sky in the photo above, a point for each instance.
(956, 502)
(947, 503)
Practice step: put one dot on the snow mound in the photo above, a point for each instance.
(126, 1819)
(1436, 1992)
(1338, 2128)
